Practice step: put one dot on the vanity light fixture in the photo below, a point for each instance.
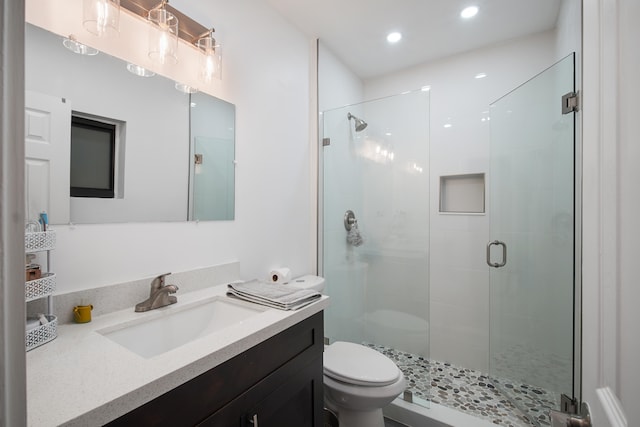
(211, 60)
(101, 17)
(163, 35)
(139, 71)
(76, 47)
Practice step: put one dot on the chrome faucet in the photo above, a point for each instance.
(158, 295)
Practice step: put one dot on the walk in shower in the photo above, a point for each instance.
(383, 231)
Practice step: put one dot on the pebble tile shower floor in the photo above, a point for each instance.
(471, 392)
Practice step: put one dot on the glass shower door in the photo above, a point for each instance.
(375, 163)
(532, 247)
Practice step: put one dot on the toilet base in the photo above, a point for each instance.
(372, 418)
(351, 418)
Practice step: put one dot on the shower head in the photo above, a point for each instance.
(360, 124)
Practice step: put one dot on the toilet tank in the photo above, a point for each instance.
(309, 281)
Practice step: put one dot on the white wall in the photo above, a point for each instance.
(459, 276)
(337, 84)
(265, 74)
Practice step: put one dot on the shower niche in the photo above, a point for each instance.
(462, 194)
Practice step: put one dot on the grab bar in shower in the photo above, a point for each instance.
(504, 254)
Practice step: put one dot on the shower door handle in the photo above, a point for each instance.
(504, 254)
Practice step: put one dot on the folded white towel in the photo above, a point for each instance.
(282, 297)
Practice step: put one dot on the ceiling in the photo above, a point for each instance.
(356, 30)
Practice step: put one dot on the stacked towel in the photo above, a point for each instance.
(283, 297)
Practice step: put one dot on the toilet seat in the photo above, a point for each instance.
(359, 365)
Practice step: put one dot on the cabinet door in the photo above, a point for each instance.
(296, 403)
(284, 399)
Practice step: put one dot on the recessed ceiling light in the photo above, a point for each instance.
(481, 75)
(394, 37)
(139, 71)
(185, 88)
(469, 12)
(76, 47)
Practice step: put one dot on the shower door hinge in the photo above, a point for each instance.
(568, 404)
(579, 419)
(570, 103)
(326, 141)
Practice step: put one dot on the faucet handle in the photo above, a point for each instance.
(158, 282)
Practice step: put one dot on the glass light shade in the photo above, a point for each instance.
(185, 88)
(163, 36)
(101, 17)
(76, 47)
(211, 60)
(139, 71)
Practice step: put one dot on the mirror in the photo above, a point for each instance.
(157, 130)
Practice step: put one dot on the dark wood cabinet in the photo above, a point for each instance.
(277, 383)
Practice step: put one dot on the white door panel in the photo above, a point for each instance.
(47, 154)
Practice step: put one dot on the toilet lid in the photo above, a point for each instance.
(359, 365)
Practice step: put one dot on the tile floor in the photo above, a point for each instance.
(472, 392)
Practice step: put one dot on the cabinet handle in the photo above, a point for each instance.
(254, 420)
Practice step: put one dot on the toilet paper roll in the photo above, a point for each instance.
(280, 275)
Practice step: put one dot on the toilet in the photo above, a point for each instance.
(358, 381)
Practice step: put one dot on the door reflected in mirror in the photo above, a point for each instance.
(160, 132)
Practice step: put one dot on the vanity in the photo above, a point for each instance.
(265, 369)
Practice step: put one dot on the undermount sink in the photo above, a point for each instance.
(171, 327)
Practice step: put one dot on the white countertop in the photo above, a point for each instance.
(84, 379)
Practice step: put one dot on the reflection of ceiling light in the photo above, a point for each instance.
(481, 75)
(139, 71)
(388, 134)
(76, 47)
(185, 88)
(394, 37)
(447, 125)
(469, 12)
(193, 104)
(425, 88)
(101, 17)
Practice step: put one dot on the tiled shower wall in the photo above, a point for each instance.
(458, 274)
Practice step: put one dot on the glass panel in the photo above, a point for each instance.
(379, 289)
(212, 170)
(532, 212)
(213, 179)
